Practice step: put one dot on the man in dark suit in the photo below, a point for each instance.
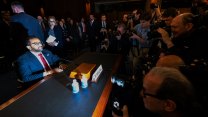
(29, 22)
(103, 28)
(29, 25)
(37, 62)
(83, 30)
(93, 32)
(103, 34)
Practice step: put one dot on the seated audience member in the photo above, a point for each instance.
(172, 61)
(167, 92)
(37, 62)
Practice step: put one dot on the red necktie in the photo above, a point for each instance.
(44, 62)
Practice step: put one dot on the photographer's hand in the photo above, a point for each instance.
(165, 37)
(135, 36)
(125, 111)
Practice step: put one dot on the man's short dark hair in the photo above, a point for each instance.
(30, 38)
(17, 4)
(138, 11)
(146, 16)
(122, 25)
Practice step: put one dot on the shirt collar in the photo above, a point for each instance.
(36, 53)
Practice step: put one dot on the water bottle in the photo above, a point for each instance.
(84, 82)
(75, 86)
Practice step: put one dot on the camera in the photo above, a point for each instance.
(104, 42)
(159, 24)
(130, 16)
(153, 34)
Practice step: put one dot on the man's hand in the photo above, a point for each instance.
(165, 37)
(63, 66)
(57, 70)
(46, 73)
(135, 36)
(52, 44)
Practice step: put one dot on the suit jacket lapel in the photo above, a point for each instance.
(34, 60)
(47, 56)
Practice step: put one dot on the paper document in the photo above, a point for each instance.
(50, 39)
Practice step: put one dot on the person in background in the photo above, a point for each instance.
(104, 27)
(27, 21)
(136, 16)
(83, 29)
(92, 32)
(122, 43)
(41, 23)
(140, 44)
(158, 46)
(37, 63)
(172, 61)
(74, 36)
(54, 31)
(188, 39)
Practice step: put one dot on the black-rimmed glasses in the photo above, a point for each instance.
(144, 94)
(37, 43)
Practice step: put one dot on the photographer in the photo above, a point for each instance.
(136, 16)
(189, 41)
(153, 7)
(139, 43)
(128, 21)
(105, 46)
(158, 45)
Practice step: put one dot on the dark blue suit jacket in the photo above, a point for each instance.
(31, 69)
(30, 24)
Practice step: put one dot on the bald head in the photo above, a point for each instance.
(182, 23)
(172, 61)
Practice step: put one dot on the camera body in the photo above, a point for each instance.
(104, 42)
(153, 34)
(159, 24)
(130, 16)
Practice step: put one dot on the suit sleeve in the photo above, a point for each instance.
(24, 68)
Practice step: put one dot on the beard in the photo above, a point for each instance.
(39, 49)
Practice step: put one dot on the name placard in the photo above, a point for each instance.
(97, 73)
